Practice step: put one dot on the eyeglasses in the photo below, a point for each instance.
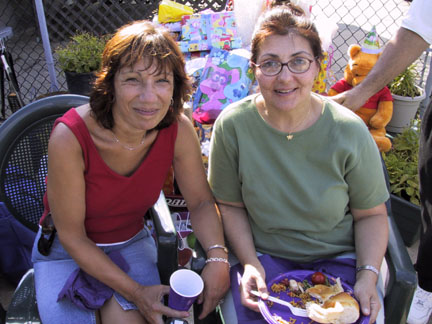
(296, 65)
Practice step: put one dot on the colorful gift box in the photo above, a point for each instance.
(204, 31)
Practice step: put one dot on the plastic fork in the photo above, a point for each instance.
(294, 310)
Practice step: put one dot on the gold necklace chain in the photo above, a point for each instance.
(127, 147)
(290, 135)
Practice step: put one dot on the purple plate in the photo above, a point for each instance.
(270, 313)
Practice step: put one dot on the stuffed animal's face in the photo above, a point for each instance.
(359, 65)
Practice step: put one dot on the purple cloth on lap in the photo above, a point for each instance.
(85, 291)
(343, 268)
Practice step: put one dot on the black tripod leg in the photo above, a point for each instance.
(13, 82)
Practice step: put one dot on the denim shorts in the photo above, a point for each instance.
(52, 271)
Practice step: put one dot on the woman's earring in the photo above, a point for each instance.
(172, 102)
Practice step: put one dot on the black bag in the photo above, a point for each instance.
(16, 243)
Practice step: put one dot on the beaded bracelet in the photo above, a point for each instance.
(368, 267)
(218, 260)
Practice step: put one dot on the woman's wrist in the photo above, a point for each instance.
(367, 267)
(217, 251)
(219, 260)
(217, 246)
(364, 274)
(253, 263)
(135, 292)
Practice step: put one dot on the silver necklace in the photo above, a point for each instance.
(127, 147)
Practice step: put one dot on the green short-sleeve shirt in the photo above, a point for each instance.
(297, 192)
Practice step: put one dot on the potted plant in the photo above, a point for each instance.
(402, 167)
(80, 58)
(407, 97)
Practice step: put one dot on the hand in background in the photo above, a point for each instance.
(350, 99)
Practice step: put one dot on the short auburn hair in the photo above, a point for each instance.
(285, 20)
(131, 43)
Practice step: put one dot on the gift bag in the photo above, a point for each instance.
(225, 79)
(186, 237)
(170, 11)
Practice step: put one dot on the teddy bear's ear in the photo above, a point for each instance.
(353, 50)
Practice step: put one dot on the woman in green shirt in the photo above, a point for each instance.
(297, 176)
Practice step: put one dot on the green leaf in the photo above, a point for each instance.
(191, 240)
(82, 54)
(402, 163)
(405, 83)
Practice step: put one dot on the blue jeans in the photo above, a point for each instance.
(52, 271)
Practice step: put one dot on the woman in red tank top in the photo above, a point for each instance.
(107, 164)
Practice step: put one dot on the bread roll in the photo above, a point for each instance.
(341, 308)
(323, 292)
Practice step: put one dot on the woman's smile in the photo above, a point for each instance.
(146, 111)
(285, 92)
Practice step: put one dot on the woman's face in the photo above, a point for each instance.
(142, 97)
(286, 90)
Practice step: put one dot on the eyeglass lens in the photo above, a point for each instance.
(296, 65)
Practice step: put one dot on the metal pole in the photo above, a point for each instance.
(428, 87)
(46, 45)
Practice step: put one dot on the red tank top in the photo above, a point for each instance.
(116, 204)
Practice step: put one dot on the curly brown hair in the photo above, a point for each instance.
(284, 20)
(131, 43)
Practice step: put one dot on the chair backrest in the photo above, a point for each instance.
(23, 155)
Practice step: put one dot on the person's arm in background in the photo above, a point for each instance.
(402, 50)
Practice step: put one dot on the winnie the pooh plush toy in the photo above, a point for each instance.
(378, 110)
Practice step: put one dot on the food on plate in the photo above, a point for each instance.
(323, 298)
(295, 289)
(341, 308)
(324, 292)
(279, 287)
(280, 320)
(318, 278)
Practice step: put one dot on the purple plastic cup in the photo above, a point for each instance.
(185, 287)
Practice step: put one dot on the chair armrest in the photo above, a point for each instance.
(23, 307)
(198, 259)
(402, 278)
(166, 237)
